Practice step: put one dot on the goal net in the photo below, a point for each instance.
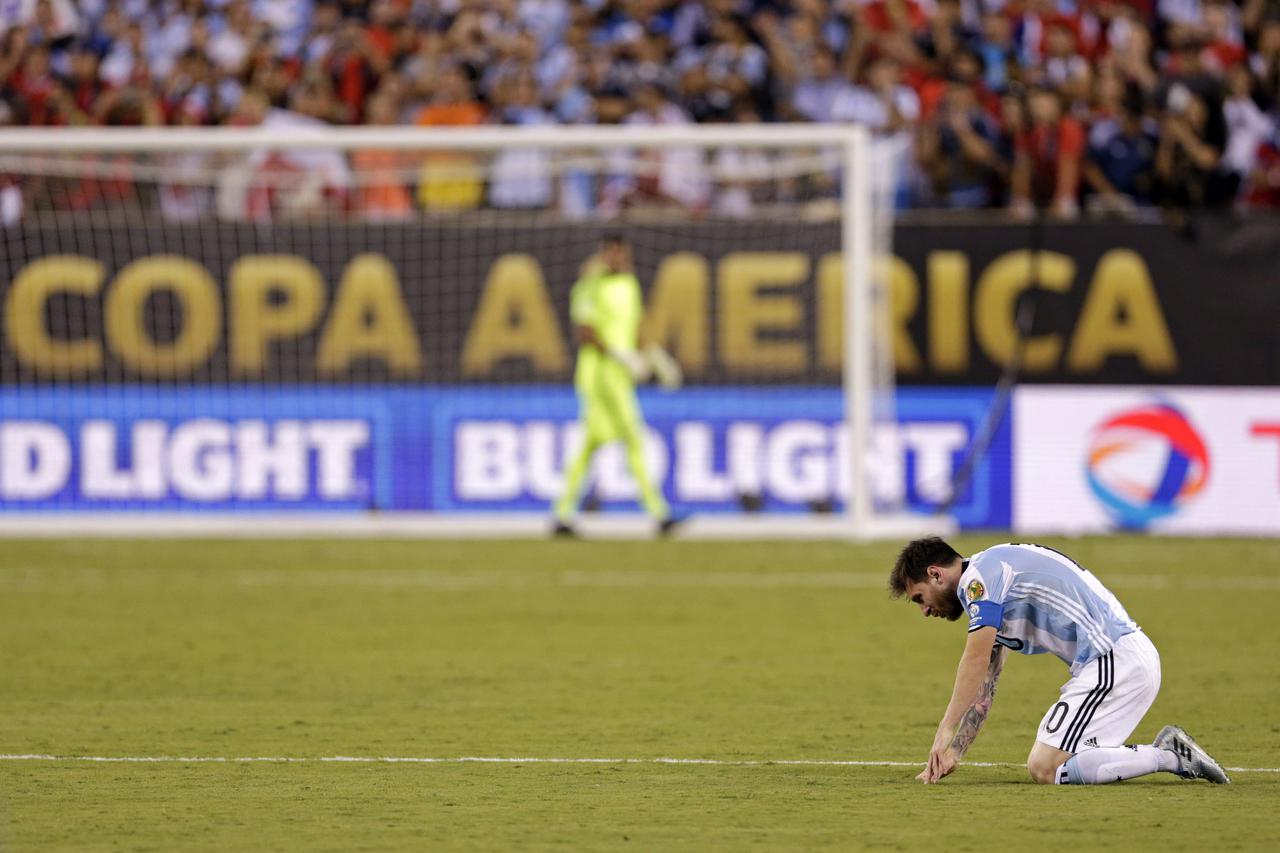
(372, 322)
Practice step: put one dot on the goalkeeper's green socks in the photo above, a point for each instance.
(650, 497)
(574, 475)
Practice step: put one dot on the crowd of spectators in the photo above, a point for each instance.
(1099, 105)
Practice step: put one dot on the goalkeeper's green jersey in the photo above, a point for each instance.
(611, 304)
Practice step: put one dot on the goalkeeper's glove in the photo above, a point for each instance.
(666, 370)
(635, 363)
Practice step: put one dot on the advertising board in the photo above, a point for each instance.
(472, 448)
(1167, 460)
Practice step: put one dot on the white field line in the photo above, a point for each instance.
(472, 759)
(603, 579)
(436, 579)
(635, 579)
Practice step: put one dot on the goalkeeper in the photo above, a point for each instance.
(605, 307)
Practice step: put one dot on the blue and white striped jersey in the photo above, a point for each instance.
(1040, 601)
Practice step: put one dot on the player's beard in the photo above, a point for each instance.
(951, 609)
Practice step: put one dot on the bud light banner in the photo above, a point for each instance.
(467, 449)
(1167, 460)
(716, 450)
(127, 448)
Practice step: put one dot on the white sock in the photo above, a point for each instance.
(1114, 764)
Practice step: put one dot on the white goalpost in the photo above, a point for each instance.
(282, 231)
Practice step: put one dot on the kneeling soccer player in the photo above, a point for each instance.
(1033, 599)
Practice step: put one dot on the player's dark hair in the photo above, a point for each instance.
(915, 559)
(613, 238)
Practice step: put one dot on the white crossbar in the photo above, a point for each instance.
(422, 139)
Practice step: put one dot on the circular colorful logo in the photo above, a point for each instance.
(1145, 463)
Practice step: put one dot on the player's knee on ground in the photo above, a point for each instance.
(1042, 768)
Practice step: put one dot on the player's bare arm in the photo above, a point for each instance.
(971, 722)
(971, 676)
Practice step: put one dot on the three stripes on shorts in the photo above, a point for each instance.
(1084, 714)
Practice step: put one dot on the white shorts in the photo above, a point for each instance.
(1104, 702)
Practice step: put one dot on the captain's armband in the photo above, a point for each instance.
(984, 614)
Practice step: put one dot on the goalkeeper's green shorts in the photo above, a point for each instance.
(607, 404)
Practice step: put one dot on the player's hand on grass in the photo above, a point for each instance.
(942, 761)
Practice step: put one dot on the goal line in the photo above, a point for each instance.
(473, 759)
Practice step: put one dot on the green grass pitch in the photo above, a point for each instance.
(733, 652)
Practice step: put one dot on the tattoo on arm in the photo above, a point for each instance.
(973, 719)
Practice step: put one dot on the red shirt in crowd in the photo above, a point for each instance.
(35, 92)
(1265, 193)
(876, 15)
(1047, 146)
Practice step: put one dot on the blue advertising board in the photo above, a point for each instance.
(252, 448)
(470, 448)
